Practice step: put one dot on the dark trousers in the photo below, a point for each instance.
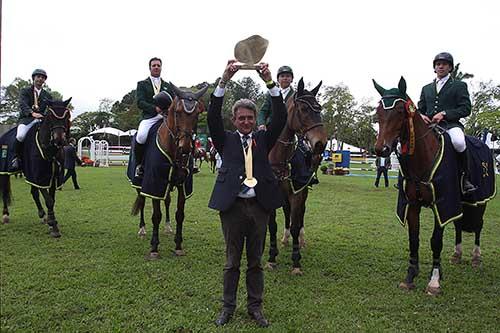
(245, 220)
(382, 170)
(71, 173)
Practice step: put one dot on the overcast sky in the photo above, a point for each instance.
(100, 49)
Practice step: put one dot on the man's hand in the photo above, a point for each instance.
(231, 69)
(426, 119)
(437, 117)
(264, 72)
(36, 115)
(262, 127)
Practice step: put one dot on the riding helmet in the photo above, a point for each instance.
(284, 69)
(39, 71)
(445, 56)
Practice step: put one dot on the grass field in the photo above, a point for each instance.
(95, 277)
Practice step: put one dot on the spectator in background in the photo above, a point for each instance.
(70, 160)
(383, 164)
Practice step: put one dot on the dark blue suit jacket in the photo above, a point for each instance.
(232, 172)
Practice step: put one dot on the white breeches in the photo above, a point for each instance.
(22, 130)
(144, 126)
(457, 137)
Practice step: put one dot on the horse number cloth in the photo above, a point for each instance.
(445, 186)
(158, 169)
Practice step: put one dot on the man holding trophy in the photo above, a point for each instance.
(246, 190)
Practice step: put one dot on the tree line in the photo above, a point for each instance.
(345, 119)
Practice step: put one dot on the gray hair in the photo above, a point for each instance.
(244, 103)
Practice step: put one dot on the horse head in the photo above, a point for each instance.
(304, 117)
(182, 118)
(394, 109)
(55, 126)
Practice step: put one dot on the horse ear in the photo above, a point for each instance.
(379, 88)
(402, 86)
(176, 90)
(300, 87)
(316, 89)
(201, 92)
(66, 102)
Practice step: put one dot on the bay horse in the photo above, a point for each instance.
(175, 139)
(421, 151)
(199, 155)
(46, 143)
(304, 119)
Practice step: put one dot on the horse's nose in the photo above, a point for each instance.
(319, 147)
(386, 151)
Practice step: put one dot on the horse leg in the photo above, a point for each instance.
(155, 238)
(286, 212)
(142, 223)
(273, 246)
(303, 195)
(413, 237)
(433, 287)
(179, 220)
(295, 231)
(35, 193)
(51, 218)
(6, 197)
(478, 213)
(168, 225)
(456, 257)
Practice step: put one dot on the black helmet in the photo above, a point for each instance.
(445, 56)
(39, 71)
(284, 69)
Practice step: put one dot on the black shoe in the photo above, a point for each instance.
(139, 171)
(223, 318)
(259, 318)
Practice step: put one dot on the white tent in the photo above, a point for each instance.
(113, 131)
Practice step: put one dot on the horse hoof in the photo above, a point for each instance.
(476, 262)
(168, 230)
(432, 291)
(5, 219)
(152, 256)
(142, 232)
(43, 220)
(55, 234)
(179, 253)
(271, 266)
(407, 286)
(456, 258)
(297, 271)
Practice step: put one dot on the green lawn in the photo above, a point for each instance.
(95, 277)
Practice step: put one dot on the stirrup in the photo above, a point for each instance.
(139, 170)
(468, 187)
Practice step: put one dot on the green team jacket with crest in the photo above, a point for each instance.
(265, 112)
(453, 99)
(144, 96)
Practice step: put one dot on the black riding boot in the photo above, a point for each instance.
(464, 159)
(139, 156)
(16, 163)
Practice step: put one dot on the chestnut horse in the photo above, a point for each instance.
(399, 122)
(304, 119)
(175, 138)
(50, 138)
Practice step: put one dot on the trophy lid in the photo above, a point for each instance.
(251, 50)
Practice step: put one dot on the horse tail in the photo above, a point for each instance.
(6, 189)
(138, 205)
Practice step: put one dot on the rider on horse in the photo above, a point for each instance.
(301, 161)
(445, 101)
(146, 90)
(32, 104)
